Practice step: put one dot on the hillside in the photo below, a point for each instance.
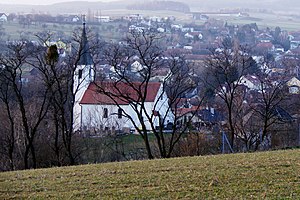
(160, 5)
(270, 175)
(64, 7)
(275, 5)
(290, 6)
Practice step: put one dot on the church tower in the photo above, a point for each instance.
(84, 75)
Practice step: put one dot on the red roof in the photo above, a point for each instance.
(196, 57)
(125, 92)
(183, 111)
(268, 45)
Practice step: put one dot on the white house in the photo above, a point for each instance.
(75, 18)
(139, 29)
(161, 30)
(155, 19)
(188, 47)
(72, 18)
(188, 35)
(135, 17)
(136, 66)
(103, 18)
(250, 81)
(294, 85)
(100, 112)
(3, 17)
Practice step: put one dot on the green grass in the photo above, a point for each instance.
(263, 20)
(14, 30)
(271, 20)
(265, 175)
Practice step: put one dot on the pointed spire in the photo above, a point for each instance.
(85, 57)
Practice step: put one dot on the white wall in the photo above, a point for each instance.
(92, 115)
(80, 86)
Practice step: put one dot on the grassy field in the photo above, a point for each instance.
(271, 20)
(263, 20)
(265, 175)
(284, 20)
(15, 31)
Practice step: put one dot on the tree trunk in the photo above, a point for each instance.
(56, 140)
(26, 157)
(32, 149)
(11, 156)
(232, 133)
(148, 148)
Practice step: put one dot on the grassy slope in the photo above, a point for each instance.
(271, 175)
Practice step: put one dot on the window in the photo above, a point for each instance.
(105, 113)
(80, 74)
(119, 113)
(184, 119)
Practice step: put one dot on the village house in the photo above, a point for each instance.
(251, 82)
(295, 39)
(265, 47)
(294, 85)
(3, 17)
(264, 38)
(134, 17)
(72, 19)
(104, 19)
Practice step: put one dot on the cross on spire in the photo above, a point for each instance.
(83, 19)
(85, 57)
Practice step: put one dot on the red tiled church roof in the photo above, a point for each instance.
(93, 96)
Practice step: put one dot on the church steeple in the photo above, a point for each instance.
(85, 57)
(83, 76)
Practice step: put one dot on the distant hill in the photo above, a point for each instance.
(65, 7)
(160, 5)
(276, 5)
(291, 6)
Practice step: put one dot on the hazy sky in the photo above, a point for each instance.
(43, 2)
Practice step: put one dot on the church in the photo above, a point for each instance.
(96, 112)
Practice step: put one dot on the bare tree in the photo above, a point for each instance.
(8, 121)
(269, 107)
(145, 48)
(58, 73)
(13, 63)
(224, 71)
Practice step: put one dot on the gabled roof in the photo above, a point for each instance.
(182, 111)
(120, 89)
(253, 79)
(294, 82)
(265, 36)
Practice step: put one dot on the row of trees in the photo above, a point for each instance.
(253, 115)
(38, 108)
(37, 125)
(177, 83)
